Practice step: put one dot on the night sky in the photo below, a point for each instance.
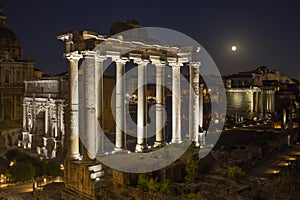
(265, 32)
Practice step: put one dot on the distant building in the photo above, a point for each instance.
(252, 93)
(13, 71)
(252, 78)
(261, 92)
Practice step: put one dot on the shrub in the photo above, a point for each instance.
(53, 168)
(288, 182)
(12, 154)
(152, 184)
(235, 173)
(192, 168)
(164, 186)
(124, 194)
(22, 171)
(142, 183)
(40, 166)
(192, 195)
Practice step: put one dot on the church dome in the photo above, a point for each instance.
(10, 48)
(7, 37)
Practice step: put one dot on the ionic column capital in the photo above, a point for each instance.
(173, 62)
(142, 62)
(122, 60)
(74, 56)
(156, 61)
(184, 59)
(195, 64)
(100, 58)
(137, 58)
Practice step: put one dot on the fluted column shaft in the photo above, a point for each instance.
(46, 120)
(159, 137)
(260, 101)
(176, 103)
(24, 117)
(120, 105)
(201, 107)
(141, 107)
(73, 139)
(56, 123)
(256, 101)
(89, 134)
(272, 101)
(194, 101)
(99, 103)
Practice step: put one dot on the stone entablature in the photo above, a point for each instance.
(50, 87)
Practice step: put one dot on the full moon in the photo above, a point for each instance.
(233, 48)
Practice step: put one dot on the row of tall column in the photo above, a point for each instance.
(269, 101)
(262, 101)
(93, 108)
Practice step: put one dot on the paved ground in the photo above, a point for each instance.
(277, 163)
(25, 191)
(17, 189)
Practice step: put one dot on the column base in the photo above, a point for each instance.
(75, 156)
(158, 144)
(140, 148)
(176, 141)
(117, 149)
(121, 151)
(19, 143)
(201, 140)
